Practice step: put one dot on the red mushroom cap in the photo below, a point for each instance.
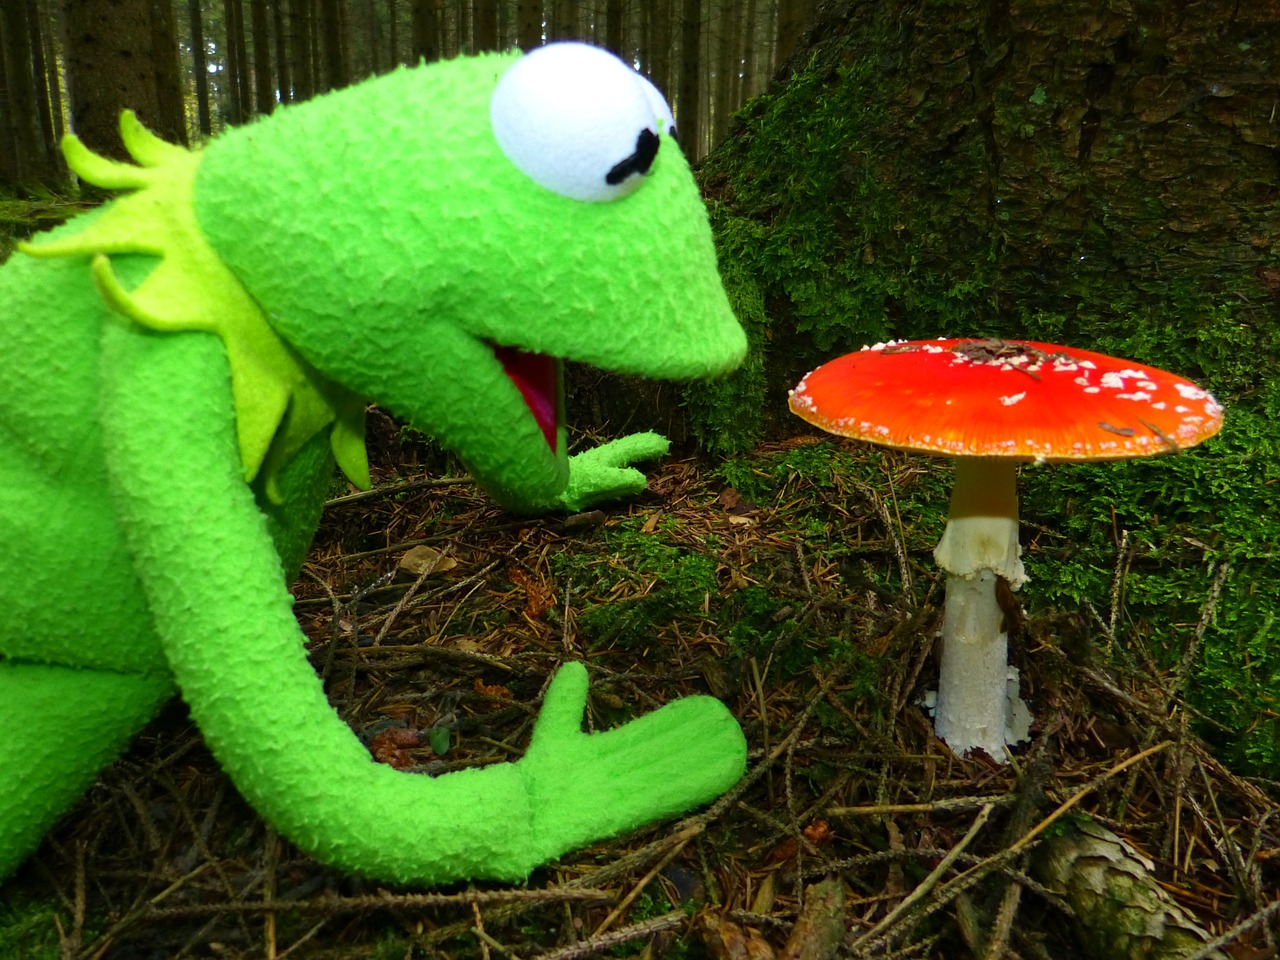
(1005, 398)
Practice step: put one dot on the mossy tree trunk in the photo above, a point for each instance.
(941, 168)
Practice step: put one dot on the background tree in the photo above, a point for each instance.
(192, 67)
(116, 57)
(264, 91)
(199, 68)
(24, 101)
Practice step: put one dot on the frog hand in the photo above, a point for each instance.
(603, 473)
(584, 786)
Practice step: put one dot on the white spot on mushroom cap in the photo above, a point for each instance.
(1013, 398)
(1136, 395)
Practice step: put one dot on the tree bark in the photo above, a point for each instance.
(613, 26)
(235, 111)
(484, 25)
(336, 75)
(749, 52)
(111, 65)
(43, 94)
(171, 116)
(529, 29)
(937, 168)
(200, 68)
(263, 89)
(280, 36)
(301, 66)
(688, 104)
(426, 30)
(393, 33)
(30, 160)
(52, 17)
(564, 20)
(659, 66)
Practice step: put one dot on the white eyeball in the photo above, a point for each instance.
(577, 120)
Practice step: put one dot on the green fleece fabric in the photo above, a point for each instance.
(184, 365)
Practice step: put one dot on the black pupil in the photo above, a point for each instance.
(639, 162)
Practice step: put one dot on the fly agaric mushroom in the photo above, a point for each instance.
(991, 404)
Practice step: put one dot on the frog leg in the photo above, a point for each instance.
(62, 726)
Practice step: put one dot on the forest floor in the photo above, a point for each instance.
(436, 620)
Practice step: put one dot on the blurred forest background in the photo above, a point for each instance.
(191, 67)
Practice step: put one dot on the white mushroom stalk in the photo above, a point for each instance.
(978, 703)
(991, 404)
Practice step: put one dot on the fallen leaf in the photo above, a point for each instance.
(726, 940)
(539, 596)
(495, 690)
(423, 559)
(818, 832)
(391, 746)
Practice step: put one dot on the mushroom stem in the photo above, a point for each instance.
(975, 706)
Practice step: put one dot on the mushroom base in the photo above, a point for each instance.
(977, 706)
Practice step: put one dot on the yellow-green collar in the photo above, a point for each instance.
(280, 400)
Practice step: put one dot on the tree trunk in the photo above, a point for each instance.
(484, 25)
(373, 37)
(393, 33)
(330, 30)
(962, 169)
(32, 164)
(171, 116)
(689, 91)
(45, 96)
(426, 30)
(200, 68)
(529, 29)
(110, 66)
(52, 18)
(263, 89)
(231, 64)
(613, 26)
(726, 67)
(282, 50)
(10, 173)
(564, 20)
(660, 46)
(749, 52)
(301, 66)
(793, 17)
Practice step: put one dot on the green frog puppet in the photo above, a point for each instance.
(183, 366)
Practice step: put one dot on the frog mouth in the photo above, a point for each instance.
(537, 377)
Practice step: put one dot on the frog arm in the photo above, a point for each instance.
(215, 588)
(604, 473)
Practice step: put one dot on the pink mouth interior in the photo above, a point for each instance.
(535, 375)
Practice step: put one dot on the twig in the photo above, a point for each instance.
(393, 488)
(929, 882)
(935, 806)
(592, 945)
(1209, 949)
(380, 902)
(636, 890)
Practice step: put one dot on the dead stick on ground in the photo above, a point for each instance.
(644, 928)
(626, 901)
(929, 882)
